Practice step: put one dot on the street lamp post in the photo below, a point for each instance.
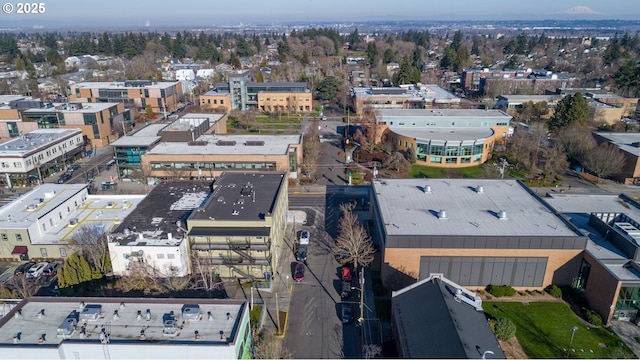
(573, 332)
(361, 319)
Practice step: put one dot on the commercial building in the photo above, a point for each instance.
(154, 234)
(493, 82)
(134, 94)
(240, 93)
(475, 232)
(436, 318)
(608, 275)
(98, 121)
(42, 223)
(239, 230)
(123, 328)
(445, 138)
(128, 150)
(210, 155)
(11, 124)
(629, 145)
(28, 159)
(404, 97)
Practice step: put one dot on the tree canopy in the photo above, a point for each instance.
(571, 109)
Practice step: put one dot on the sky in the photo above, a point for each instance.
(229, 12)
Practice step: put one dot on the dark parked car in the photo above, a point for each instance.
(23, 268)
(74, 167)
(347, 313)
(298, 274)
(64, 178)
(52, 268)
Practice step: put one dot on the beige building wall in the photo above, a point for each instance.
(220, 103)
(282, 101)
(9, 114)
(408, 259)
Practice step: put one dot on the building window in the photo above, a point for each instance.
(160, 256)
(171, 256)
(43, 252)
(5, 237)
(63, 252)
(18, 237)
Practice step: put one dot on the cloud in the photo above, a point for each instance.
(581, 10)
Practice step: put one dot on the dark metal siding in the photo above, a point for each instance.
(474, 271)
(485, 242)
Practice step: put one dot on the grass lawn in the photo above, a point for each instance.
(544, 331)
(419, 171)
(282, 119)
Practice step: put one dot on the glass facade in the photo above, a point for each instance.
(628, 303)
(434, 153)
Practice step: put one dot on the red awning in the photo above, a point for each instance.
(20, 250)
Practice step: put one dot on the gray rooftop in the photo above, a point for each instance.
(242, 196)
(212, 144)
(444, 134)
(624, 141)
(451, 113)
(146, 136)
(121, 84)
(433, 325)
(21, 145)
(72, 108)
(406, 208)
(126, 327)
(170, 203)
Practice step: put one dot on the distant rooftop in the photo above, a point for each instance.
(73, 107)
(472, 207)
(50, 316)
(126, 84)
(627, 142)
(459, 113)
(21, 145)
(242, 197)
(163, 211)
(444, 134)
(231, 144)
(421, 91)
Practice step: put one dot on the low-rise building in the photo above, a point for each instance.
(154, 234)
(239, 230)
(122, 328)
(28, 159)
(404, 97)
(161, 96)
(44, 222)
(446, 137)
(436, 318)
(128, 150)
(629, 145)
(210, 155)
(475, 232)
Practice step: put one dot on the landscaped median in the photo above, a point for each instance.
(545, 330)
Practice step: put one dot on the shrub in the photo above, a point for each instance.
(592, 317)
(504, 328)
(554, 291)
(501, 290)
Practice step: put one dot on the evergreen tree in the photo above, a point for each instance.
(571, 109)
(372, 54)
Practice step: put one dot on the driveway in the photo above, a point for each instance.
(628, 332)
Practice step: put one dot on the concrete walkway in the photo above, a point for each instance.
(628, 332)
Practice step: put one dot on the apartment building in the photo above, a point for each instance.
(134, 94)
(239, 230)
(418, 96)
(447, 137)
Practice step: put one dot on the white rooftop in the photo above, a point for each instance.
(624, 141)
(146, 136)
(127, 325)
(458, 113)
(407, 208)
(273, 145)
(32, 140)
(121, 84)
(103, 211)
(444, 134)
(73, 108)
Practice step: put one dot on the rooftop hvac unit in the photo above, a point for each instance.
(502, 215)
(91, 312)
(426, 189)
(479, 189)
(67, 327)
(191, 312)
(442, 215)
(73, 222)
(170, 325)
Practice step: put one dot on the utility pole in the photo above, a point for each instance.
(361, 318)
(277, 315)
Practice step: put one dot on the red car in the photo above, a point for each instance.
(346, 274)
(298, 274)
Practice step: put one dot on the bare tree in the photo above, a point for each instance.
(267, 346)
(173, 282)
(22, 286)
(142, 277)
(555, 162)
(605, 160)
(353, 244)
(311, 150)
(397, 162)
(91, 241)
(576, 141)
(371, 350)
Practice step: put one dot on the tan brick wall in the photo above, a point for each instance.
(277, 101)
(408, 259)
(216, 102)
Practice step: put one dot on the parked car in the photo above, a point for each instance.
(52, 268)
(36, 270)
(304, 237)
(347, 313)
(64, 178)
(298, 274)
(24, 267)
(74, 167)
(346, 274)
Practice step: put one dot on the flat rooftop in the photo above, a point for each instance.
(126, 326)
(406, 208)
(146, 136)
(124, 84)
(624, 141)
(102, 211)
(21, 145)
(230, 145)
(444, 134)
(160, 212)
(459, 113)
(72, 108)
(242, 196)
